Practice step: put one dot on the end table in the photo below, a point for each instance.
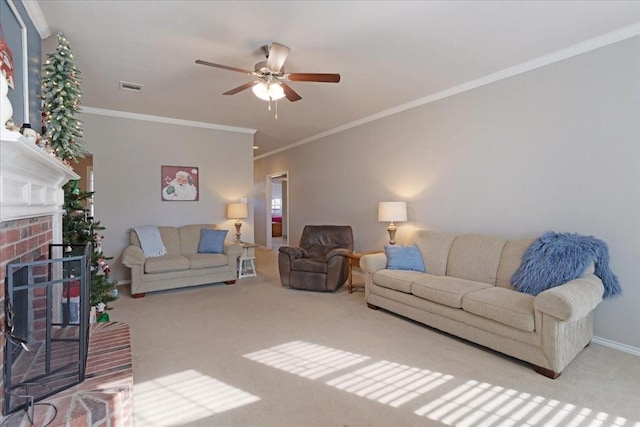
(246, 265)
(353, 260)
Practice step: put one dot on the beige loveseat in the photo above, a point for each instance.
(182, 265)
(467, 292)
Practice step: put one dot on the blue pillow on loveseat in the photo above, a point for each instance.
(404, 258)
(211, 241)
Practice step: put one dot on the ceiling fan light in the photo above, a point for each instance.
(266, 91)
(261, 90)
(276, 91)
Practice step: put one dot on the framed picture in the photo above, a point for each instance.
(180, 183)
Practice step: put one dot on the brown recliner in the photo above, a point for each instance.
(320, 261)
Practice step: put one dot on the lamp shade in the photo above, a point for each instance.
(392, 211)
(237, 211)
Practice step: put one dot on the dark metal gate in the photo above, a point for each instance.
(46, 345)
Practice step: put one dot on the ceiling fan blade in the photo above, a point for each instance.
(239, 88)
(224, 67)
(313, 77)
(291, 94)
(277, 55)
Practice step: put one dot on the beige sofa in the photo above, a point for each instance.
(467, 292)
(182, 265)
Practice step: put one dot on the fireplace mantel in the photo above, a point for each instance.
(31, 180)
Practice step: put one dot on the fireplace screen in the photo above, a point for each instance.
(47, 324)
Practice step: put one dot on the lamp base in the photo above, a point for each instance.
(392, 233)
(238, 224)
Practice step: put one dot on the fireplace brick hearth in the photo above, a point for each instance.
(105, 398)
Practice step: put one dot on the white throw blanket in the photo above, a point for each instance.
(150, 240)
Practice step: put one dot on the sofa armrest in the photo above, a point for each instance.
(572, 300)
(232, 249)
(293, 252)
(132, 255)
(373, 262)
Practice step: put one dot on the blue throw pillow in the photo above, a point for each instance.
(404, 258)
(211, 241)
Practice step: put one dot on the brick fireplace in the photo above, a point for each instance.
(21, 240)
(31, 200)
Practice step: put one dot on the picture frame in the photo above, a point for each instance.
(179, 184)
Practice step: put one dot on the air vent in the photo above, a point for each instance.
(134, 87)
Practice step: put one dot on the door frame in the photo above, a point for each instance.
(268, 216)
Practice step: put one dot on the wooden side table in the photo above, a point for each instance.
(353, 260)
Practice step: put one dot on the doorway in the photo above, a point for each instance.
(277, 210)
(84, 168)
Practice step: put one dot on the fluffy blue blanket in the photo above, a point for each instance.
(555, 258)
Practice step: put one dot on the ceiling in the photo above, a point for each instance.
(387, 53)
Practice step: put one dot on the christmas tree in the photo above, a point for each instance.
(78, 229)
(61, 95)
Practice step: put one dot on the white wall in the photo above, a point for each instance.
(128, 155)
(556, 148)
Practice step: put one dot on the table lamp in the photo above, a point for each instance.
(237, 211)
(390, 212)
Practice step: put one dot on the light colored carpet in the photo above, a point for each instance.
(257, 354)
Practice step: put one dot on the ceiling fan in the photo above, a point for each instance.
(271, 77)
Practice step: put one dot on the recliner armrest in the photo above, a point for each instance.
(337, 252)
(293, 252)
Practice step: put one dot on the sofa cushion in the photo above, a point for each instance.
(206, 260)
(398, 280)
(475, 257)
(404, 258)
(502, 305)
(211, 241)
(510, 261)
(165, 263)
(434, 247)
(171, 240)
(190, 236)
(445, 290)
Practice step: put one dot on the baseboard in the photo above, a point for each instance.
(123, 282)
(617, 346)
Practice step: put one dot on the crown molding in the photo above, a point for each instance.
(541, 61)
(167, 120)
(37, 17)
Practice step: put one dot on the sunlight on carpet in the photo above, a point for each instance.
(389, 383)
(450, 401)
(197, 396)
(481, 404)
(306, 359)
